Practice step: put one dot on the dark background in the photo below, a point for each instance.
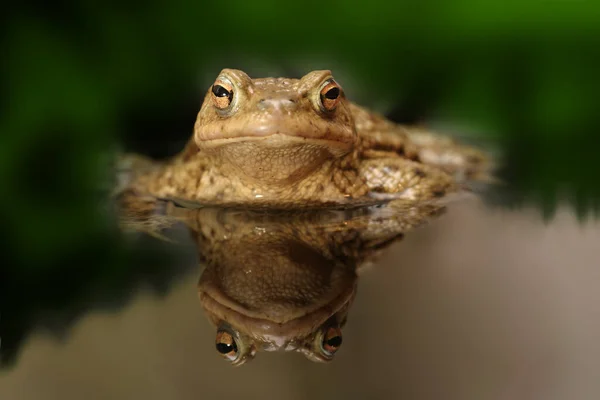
(82, 80)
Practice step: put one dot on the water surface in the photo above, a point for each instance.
(478, 304)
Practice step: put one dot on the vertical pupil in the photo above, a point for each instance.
(220, 91)
(332, 93)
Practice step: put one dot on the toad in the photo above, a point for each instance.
(279, 281)
(294, 143)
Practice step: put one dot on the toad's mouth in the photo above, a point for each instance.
(279, 140)
(254, 323)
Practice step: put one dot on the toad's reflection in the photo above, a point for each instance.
(281, 282)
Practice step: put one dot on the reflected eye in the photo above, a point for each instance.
(331, 94)
(222, 94)
(332, 340)
(226, 345)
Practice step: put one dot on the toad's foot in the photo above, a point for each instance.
(396, 178)
(144, 214)
(464, 162)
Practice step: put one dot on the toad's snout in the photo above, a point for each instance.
(276, 104)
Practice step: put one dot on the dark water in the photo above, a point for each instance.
(470, 303)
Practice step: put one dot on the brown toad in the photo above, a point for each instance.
(278, 281)
(291, 143)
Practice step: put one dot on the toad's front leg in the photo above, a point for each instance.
(398, 178)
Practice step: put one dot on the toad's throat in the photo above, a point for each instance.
(276, 159)
(300, 323)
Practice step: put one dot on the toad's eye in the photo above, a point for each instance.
(222, 94)
(331, 94)
(226, 345)
(332, 340)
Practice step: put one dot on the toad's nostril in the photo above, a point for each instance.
(288, 103)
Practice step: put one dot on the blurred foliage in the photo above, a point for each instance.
(82, 79)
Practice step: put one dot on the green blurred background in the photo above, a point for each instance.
(81, 80)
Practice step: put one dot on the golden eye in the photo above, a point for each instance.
(222, 94)
(226, 345)
(332, 340)
(331, 94)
